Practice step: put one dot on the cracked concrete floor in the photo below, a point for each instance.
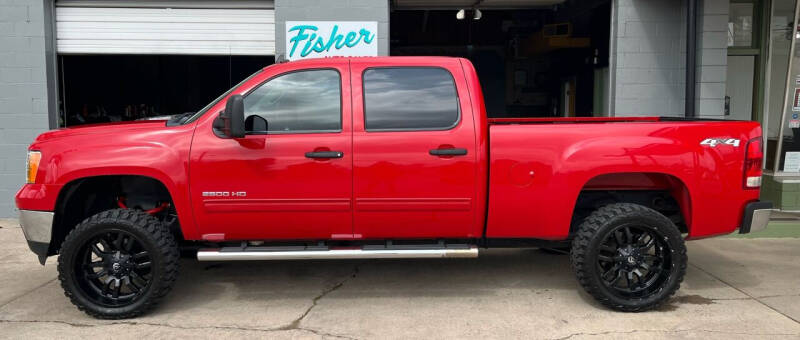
(734, 289)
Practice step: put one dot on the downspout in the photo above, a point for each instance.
(691, 59)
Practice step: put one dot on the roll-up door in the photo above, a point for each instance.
(86, 27)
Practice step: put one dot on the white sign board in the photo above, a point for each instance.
(317, 39)
(792, 162)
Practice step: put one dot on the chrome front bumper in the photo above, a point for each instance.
(38, 229)
(756, 217)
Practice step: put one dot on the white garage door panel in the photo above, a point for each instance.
(139, 31)
(172, 15)
(165, 47)
(165, 31)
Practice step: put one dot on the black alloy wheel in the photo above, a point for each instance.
(633, 260)
(629, 257)
(113, 268)
(118, 264)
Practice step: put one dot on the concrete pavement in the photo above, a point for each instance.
(734, 289)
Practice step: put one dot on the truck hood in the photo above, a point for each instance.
(102, 128)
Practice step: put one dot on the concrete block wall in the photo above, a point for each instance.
(23, 91)
(340, 10)
(712, 42)
(649, 57)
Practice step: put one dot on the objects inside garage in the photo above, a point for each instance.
(113, 88)
(127, 60)
(534, 59)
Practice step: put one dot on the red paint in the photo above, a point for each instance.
(400, 190)
(527, 171)
(572, 120)
(569, 156)
(289, 196)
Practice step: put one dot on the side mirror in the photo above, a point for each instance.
(230, 123)
(255, 124)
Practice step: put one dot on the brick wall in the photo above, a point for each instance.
(649, 57)
(23, 91)
(340, 10)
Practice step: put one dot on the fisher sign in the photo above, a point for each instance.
(316, 39)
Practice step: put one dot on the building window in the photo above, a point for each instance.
(740, 25)
(743, 94)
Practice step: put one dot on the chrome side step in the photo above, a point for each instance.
(245, 254)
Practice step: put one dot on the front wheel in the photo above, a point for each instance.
(118, 264)
(629, 257)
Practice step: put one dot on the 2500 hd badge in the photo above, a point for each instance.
(224, 193)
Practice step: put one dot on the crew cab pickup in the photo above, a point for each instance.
(382, 157)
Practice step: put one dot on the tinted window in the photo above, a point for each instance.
(305, 101)
(416, 98)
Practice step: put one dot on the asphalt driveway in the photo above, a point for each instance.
(734, 288)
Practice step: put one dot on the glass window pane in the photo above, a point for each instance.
(305, 101)
(739, 86)
(410, 98)
(740, 25)
(780, 36)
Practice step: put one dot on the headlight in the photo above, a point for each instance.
(32, 166)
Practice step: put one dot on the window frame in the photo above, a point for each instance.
(364, 100)
(299, 132)
(758, 49)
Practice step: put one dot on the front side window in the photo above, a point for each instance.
(297, 102)
(410, 98)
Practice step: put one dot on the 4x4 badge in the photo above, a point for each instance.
(713, 142)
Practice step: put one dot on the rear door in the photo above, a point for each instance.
(414, 152)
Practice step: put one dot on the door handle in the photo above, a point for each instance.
(324, 154)
(448, 152)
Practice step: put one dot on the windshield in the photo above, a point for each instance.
(215, 101)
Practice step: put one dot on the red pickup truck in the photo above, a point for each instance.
(387, 157)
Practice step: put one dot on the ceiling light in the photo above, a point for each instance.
(477, 15)
(460, 14)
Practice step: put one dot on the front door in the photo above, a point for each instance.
(291, 176)
(414, 150)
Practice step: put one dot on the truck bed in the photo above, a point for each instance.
(537, 164)
(556, 120)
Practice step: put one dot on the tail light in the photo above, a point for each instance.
(752, 164)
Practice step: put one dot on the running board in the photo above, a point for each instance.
(307, 253)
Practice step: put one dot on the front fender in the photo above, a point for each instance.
(161, 154)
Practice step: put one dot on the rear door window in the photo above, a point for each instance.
(410, 98)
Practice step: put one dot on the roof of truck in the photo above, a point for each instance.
(387, 58)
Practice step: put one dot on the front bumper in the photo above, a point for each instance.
(756, 216)
(38, 229)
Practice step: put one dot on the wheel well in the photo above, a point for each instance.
(661, 192)
(85, 197)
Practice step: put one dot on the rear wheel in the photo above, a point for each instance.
(629, 257)
(118, 264)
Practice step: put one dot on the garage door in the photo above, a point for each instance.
(236, 30)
